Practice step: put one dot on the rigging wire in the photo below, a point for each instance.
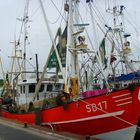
(100, 16)
(60, 11)
(66, 20)
(36, 10)
(31, 64)
(86, 30)
(57, 19)
(133, 25)
(109, 38)
(89, 41)
(62, 19)
(98, 23)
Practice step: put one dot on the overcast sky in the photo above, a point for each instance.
(39, 40)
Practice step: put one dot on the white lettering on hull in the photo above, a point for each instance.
(96, 106)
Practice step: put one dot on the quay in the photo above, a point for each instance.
(13, 130)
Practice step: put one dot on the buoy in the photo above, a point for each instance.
(25, 125)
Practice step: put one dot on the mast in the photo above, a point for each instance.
(119, 29)
(72, 57)
(15, 59)
(2, 68)
(69, 40)
(37, 74)
(25, 20)
(70, 43)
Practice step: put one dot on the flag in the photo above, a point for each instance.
(63, 44)
(102, 51)
(52, 60)
(61, 48)
(112, 58)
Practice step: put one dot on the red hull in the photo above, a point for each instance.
(25, 118)
(91, 116)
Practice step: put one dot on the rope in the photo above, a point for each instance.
(134, 25)
(108, 112)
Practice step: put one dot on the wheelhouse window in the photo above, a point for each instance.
(125, 85)
(58, 87)
(23, 89)
(31, 88)
(41, 88)
(49, 87)
(20, 89)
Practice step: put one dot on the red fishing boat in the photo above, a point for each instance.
(97, 99)
(89, 116)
